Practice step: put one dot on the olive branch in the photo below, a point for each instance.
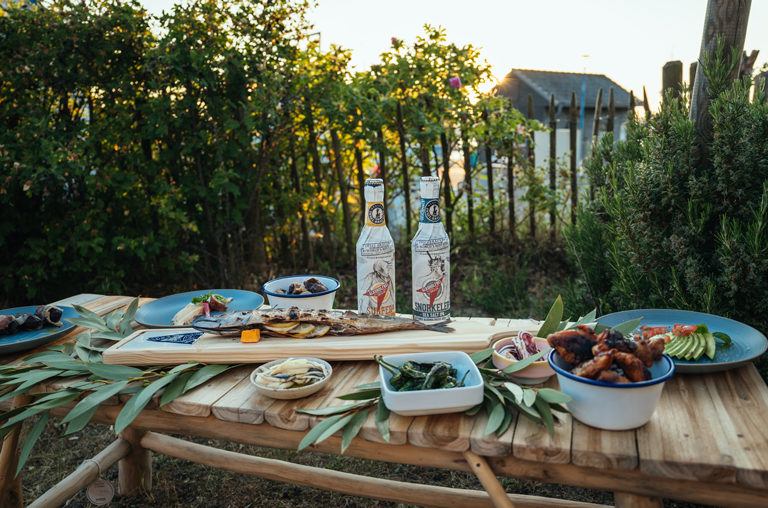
(93, 382)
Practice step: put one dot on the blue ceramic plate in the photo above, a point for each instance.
(159, 313)
(747, 343)
(22, 341)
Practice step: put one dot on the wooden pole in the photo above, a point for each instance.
(447, 190)
(622, 500)
(360, 182)
(489, 179)
(552, 160)
(727, 19)
(531, 166)
(82, 476)
(11, 495)
(135, 469)
(611, 113)
(671, 79)
(404, 167)
(511, 194)
(596, 132)
(383, 169)
(468, 185)
(342, 179)
(646, 106)
(573, 119)
(488, 480)
(632, 105)
(692, 76)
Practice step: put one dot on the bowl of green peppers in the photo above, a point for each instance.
(417, 384)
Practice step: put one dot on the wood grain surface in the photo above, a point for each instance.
(604, 449)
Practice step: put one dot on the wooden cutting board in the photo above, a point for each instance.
(468, 336)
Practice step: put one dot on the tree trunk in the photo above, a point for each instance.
(404, 168)
(726, 18)
(489, 177)
(552, 161)
(325, 223)
(531, 166)
(511, 194)
(573, 124)
(306, 247)
(468, 186)
(424, 154)
(360, 182)
(383, 170)
(341, 177)
(447, 190)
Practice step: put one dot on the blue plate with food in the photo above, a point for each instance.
(697, 342)
(23, 328)
(179, 311)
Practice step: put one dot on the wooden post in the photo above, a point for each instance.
(511, 194)
(447, 190)
(360, 182)
(646, 106)
(552, 160)
(404, 167)
(489, 176)
(531, 166)
(468, 185)
(10, 484)
(596, 132)
(573, 119)
(611, 113)
(135, 469)
(488, 480)
(632, 105)
(342, 178)
(383, 169)
(727, 19)
(692, 76)
(671, 79)
(623, 500)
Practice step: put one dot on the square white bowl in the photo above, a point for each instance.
(439, 401)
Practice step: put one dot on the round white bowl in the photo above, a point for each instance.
(318, 301)
(291, 393)
(612, 406)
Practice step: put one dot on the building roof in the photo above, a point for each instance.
(562, 84)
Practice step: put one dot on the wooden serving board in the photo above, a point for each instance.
(468, 336)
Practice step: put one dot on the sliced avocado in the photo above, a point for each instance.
(701, 347)
(694, 344)
(682, 344)
(699, 344)
(690, 344)
(711, 349)
(673, 345)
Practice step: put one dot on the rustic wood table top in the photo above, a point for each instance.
(707, 428)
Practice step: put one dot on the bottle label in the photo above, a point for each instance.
(374, 215)
(431, 279)
(430, 211)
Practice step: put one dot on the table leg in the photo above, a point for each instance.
(10, 484)
(624, 500)
(136, 467)
(488, 479)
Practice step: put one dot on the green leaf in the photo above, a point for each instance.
(553, 319)
(369, 386)
(546, 415)
(32, 437)
(508, 415)
(113, 319)
(98, 396)
(627, 327)
(474, 410)
(87, 314)
(526, 362)
(589, 318)
(481, 355)
(495, 419)
(320, 429)
(28, 412)
(57, 399)
(702, 328)
(351, 430)
(84, 339)
(108, 336)
(11, 394)
(529, 397)
(130, 313)
(553, 396)
(516, 390)
(68, 365)
(4, 431)
(176, 387)
(724, 337)
(115, 372)
(183, 366)
(89, 323)
(32, 378)
(136, 403)
(13, 412)
(382, 420)
(362, 395)
(82, 352)
(46, 355)
(81, 420)
(204, 374)
(332, 410)
(528, 412)
(494, 391)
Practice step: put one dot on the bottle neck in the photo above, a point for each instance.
(374, 214)
(430, 211)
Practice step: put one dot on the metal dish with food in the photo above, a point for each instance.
(433, 401)
(301, 291)
(535, 373)
(291, 378)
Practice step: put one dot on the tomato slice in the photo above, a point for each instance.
(684, 330)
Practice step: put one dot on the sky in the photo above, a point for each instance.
(629, 41)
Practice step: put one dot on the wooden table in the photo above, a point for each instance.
(707, 441)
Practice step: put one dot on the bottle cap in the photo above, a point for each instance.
(430, 187)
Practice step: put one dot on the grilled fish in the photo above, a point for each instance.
(285, 322)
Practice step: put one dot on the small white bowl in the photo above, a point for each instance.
(316, 301)
(291, 393)
(534, 374)
(612, 406)
(438, 401)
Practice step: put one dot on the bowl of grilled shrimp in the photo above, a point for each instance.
(301, 291)
(615, 382)
(291, 378)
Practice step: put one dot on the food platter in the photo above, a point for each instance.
(160, 312)
(24, 340)
(747, 344)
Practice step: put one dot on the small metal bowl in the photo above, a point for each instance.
(291, 393)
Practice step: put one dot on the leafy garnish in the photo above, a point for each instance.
(203, 298)
(724, 337)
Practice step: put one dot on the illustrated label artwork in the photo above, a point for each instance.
(375, 256)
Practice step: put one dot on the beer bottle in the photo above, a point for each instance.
(375, 256)
(431, 254)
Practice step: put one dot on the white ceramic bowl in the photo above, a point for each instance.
(439, 401)
(534, 374)
(291, 393)
(317, 301)
(612, 406)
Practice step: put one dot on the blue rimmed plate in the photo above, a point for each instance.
(159, 313)
(22, 341)
(747, 343)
